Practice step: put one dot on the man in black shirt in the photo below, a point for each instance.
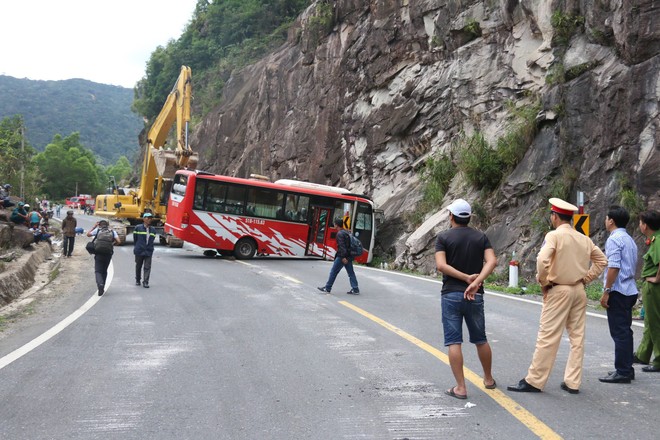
(465, 257)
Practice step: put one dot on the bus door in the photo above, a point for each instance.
(319, 233)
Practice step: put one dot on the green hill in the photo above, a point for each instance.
(101, 113)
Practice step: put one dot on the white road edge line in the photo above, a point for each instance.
(490, 292)
(57, 328)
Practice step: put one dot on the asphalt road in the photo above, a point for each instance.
(224, 349)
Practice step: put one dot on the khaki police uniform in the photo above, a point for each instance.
(567, 261)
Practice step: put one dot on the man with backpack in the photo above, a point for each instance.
(104, 239)
(143, 248)
(343, 258)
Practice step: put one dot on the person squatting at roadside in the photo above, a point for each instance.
(344, 259)
(101, 231)
(34, 218)
(19, 215)
(620, 293)
(567, 261)
(143, 248)
(5, 199)
(465, 257)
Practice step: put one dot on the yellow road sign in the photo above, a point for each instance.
(581, 223)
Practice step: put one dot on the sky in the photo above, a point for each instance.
(108, 42)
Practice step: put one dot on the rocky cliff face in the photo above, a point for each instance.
(365, 91)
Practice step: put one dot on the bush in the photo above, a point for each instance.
(481, 164)
(321, 23)
(437, 175)
(565, 26)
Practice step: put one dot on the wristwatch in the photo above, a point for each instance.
(607, 289)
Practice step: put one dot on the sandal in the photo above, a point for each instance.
(491, 386)
(450, 392)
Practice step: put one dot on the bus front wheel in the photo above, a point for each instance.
(245, 249)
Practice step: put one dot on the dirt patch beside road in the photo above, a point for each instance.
(57, 281)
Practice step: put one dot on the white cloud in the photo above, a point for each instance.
(105, 42)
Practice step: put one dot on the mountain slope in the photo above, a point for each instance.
(101, 113)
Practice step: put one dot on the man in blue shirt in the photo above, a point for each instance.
(620, 293)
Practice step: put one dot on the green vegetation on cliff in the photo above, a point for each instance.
(221, 36)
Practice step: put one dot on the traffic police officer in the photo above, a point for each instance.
(563, 269)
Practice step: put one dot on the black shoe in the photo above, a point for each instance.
(138, 283)
(651, 369)
(569, 390)
(632, 376)
(323, 289)
(145, 284)
(100, 289)
(353, 292)
(615, 377)
(637, 360)
(523, 387)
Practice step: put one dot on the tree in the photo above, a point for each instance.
(15, 152)
(121, 170)
(66, 166)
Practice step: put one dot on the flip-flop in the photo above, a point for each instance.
(491, 386)
(450, 392)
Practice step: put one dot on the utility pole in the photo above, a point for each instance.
(22, 189)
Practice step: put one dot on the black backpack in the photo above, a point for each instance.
(103, 241)
(356, 248)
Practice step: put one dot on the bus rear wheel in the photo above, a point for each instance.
(245, 249)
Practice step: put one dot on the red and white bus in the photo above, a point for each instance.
(245, 217)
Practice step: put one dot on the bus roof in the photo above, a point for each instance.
(282, 184)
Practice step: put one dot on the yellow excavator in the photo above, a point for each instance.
(159, 166)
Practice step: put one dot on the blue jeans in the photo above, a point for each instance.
(619, 319)
(336, 267)
(455, 308)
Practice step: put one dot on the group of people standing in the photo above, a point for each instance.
(144, 237)
(566, 263)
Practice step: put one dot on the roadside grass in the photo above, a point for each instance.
(53, 274)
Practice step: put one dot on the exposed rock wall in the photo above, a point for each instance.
(394, 81)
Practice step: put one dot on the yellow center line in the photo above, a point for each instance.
(293, 280)
(535, 425)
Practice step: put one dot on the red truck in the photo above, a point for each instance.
(83, 201)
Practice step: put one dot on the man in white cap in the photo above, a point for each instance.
(465, 257)
(143, 248)
(567, 261)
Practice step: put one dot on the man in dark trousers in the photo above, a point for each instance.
(620, 293)
(465, 257)
(343, 258)
(68, 233)
(103, 234)
(143, 247)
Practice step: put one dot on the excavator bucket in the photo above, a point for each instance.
(167, 163)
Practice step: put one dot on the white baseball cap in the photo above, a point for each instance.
(460, 208)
